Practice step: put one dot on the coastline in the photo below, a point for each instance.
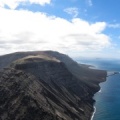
(96, 93)
(108, 75)
(93, 113)
(94, 107)
(95, 67)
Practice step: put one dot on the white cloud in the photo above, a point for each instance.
(24, 30)
(115, 25)
(89, 2)
(12, 4)
(72, 11)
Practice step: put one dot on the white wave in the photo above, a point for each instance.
(93, 113)
(100, 91)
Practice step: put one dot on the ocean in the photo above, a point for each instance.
(107, 106)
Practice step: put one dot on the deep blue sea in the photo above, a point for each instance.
(108, 99)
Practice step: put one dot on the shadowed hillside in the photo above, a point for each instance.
(83, 73)
(46, 86)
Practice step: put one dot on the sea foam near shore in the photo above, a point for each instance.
(93, 113)
(95, 107)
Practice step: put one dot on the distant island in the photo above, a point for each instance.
(46, 85)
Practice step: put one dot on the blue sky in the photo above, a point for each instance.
(74, 27)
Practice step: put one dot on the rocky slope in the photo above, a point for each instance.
(46, 86)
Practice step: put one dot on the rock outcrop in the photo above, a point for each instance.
(46, 86)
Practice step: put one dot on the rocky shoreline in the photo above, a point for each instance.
(46, 85)
(109, 73)
(94, 111)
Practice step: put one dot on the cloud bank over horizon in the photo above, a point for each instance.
(24, 30)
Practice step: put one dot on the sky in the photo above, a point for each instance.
(78, 28)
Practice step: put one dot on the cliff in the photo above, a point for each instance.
(46, 86)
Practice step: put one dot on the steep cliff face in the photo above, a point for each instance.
(90, 76)
(42, 86)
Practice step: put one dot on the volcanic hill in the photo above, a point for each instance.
(46, 85)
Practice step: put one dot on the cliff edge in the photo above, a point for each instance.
(46, 85)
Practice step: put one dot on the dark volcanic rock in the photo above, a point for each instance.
(43, 86)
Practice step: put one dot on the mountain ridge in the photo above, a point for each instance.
(51, 85)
